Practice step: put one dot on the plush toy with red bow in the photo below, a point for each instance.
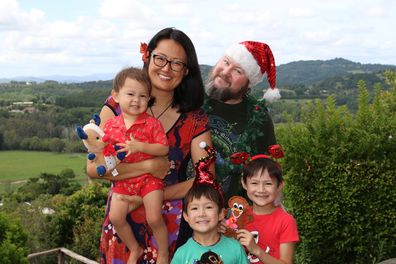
(104, 155)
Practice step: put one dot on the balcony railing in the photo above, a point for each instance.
(62, 252)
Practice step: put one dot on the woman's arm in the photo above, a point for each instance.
(179, 190)
(158, 167)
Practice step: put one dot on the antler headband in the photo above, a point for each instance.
(275, 151)
(202, 173)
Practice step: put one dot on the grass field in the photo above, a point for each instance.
(18, 166)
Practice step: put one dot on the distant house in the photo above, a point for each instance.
(27, 103)
(22, 107)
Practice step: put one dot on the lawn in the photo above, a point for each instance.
(16, 166)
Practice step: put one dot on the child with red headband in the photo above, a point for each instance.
(203, 209)
(271, 236)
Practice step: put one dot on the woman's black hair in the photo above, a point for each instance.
(189, 95)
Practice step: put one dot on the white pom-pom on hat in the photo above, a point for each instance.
(202, 144)
(272, 95)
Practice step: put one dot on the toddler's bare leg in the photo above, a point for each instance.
(154, 201)
(118, 213)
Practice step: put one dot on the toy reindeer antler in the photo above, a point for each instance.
(202, 173)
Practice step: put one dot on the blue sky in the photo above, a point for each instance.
(82, 37)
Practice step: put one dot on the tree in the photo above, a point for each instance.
(13, 240)
(48, 183)
(78, 220)
(56, 145)
(1, 140)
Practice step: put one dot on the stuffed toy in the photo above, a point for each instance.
(209, 257)
(237, 215)
(104, 155)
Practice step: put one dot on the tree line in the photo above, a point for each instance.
(50, 123)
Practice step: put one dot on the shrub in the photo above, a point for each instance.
(340, 179)
(78, 220)
(13, 240)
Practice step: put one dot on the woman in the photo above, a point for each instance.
(172, 66)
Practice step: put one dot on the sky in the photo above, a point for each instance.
(84, 37)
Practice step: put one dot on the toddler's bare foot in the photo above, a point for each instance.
(162, 258)
(135, 255)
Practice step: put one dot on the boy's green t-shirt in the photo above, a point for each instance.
(228, 249)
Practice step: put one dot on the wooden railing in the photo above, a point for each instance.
(61, 255)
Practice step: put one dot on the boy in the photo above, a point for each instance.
(203, 210)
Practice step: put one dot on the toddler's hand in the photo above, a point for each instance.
(130, 146)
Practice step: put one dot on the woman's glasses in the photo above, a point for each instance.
(161, 61)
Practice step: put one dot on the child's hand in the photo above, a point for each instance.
(130, 146)
(222, 226)
(246, 239)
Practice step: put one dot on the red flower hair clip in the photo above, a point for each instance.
(144, 51)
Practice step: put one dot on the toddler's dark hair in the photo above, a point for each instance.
(135, 74)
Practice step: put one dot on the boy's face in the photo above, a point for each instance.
(203, 215)
(261, 189)
(132, 97)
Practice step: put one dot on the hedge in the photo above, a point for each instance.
(340, 179)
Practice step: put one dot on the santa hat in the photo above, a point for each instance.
(256, 59)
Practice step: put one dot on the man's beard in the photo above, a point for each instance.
(222, 94)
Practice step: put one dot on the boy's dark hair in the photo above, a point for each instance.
(206, 190)
(263, 164)
(189, 95)
(135, 74)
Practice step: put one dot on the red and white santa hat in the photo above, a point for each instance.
(256, 59)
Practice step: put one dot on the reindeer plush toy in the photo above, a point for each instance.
(104, 155)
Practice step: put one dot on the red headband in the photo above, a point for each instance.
(275, 151)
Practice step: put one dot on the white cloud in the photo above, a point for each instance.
(300, 12)
(12, 18)
(375, 12)
(105, 35)
(126, 9)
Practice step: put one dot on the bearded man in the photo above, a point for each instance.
(240, 122)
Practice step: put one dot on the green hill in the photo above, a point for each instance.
(313, 71)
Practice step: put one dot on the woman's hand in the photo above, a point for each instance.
(159, 167)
